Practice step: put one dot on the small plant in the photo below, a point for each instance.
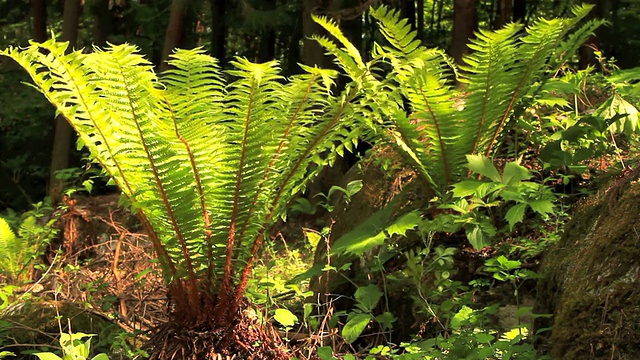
(73, 348)
(18, 251)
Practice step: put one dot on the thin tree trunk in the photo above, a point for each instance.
(39, 8)
(293, 51)
(218, 29)
(463, 23)
(267, 45)
(103, 20)
(420, 19)
(408, 11)
(312, 52)
(63, 136)
(174, 35)
(520, 11)
(503, 13)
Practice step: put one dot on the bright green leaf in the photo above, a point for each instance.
(515, 173)
(285, 317)
(515, 214)
(482, 165)
(355, 326)
(406, 222)
(368, 296)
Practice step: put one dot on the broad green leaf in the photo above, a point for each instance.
(368, 297)
(353, 187)
(484, 338)
(355, 326)
(365, 236)
(482, 165)
(47, 356)
(466, 187)
(325, 353)
(285, 317)
(477, 237)
(100, 357)
(542, 207)
(461, 317)
(406, 222)
(514, 173)
(386, 319)
(507, 264)
(515, 214)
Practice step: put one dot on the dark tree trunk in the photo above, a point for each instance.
(267, 45)
(408, 11)
(520, 11)
(504, 10)
(420, 19)
(218, 29)
(39, 8)
(464, 14)
(312, 52)
(174, 35)
(293, 49)
(103, 20)
(63, 136)
(587, 56)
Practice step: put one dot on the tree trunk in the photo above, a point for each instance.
(293, 50)
(464, 14)
(175, 31)
(102, 17)
(420, 19)
(587, 56)
(39, 8)
(408, 11)
(312, 52)
(503, 13)
(63, 136)
(267, 45)
(218, 29)
(520, 11)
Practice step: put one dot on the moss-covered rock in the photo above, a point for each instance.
(592, 279)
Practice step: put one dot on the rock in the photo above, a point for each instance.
(591, 279)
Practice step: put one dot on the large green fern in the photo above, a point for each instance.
(434, 125)
(208, 165)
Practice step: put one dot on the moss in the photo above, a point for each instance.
(592, 280)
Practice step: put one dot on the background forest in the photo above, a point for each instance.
(319, 179)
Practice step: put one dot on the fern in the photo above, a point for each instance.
(433, 125)
(208, 165)
(14, 252)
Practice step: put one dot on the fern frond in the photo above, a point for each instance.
(332, 28)
(397, 31)
(11, 250)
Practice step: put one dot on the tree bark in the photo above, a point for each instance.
(464, 14)
(408, 11)
(267, 45)
(39, 8)
(312, 52)
(174, 35)
(103, 21)
(503, 13)
(63, 136)
(420, 19)
(520, 11)
(218, 30)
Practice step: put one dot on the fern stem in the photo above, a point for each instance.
(443, 150)
(225, 288)
(244, 278)
(275, 157)
(193, 293)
